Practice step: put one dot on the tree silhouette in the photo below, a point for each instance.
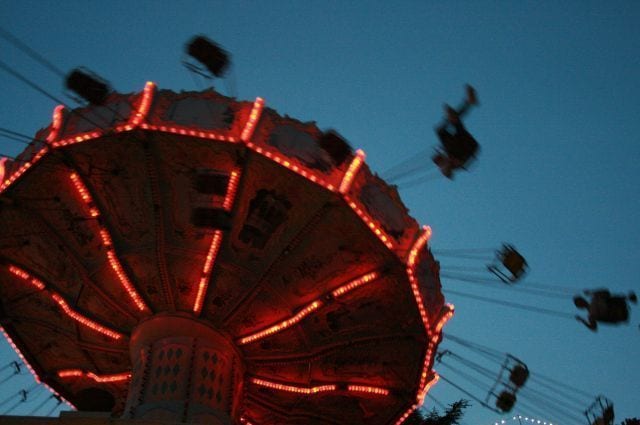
(451, 416)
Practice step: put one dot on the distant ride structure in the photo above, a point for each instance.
(186, 257)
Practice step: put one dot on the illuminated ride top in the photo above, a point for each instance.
(185, 257)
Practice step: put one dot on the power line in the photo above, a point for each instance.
(30, 52)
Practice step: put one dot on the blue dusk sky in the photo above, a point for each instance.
(558, 124)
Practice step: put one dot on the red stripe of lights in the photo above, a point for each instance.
(247, 134)
(354, 167)
(232, 188)
(206, 270)
(84, 194)
(56, 124)
(227, 204)
(101, 379)
(254, 117)
(116, 266)
(137, 117)
(184, 131)
(428, 358)
(411, 266)
(355, 284)
(78, 138)
(411, 409)
(285, 162)
(282, 325)
(292, 388)
(37, 283)
(365, 389)
(308, 309)
(377, 230)
(16, 175)
(33, 372)
(84, 320)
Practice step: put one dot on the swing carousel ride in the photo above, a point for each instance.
(188, 257)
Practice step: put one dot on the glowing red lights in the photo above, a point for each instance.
(433, 334)
(232, 188)
(17, 174)
(308, 309)
(56, 124)
(445, 318)
(254, 117)
(184, 131)
(143, 107)
(369, 277)
(411, 265)
(282, 325)
(285, 162)
(292, 388)
(84, 320)
(206, 270)
(377, 230)
(83, 192)
(410, 410)
(77, 373)
(36, 283)
(365, 389)
(355, 165)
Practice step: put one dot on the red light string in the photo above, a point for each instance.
(308, 309)
(23, 169)
(56, 124)
(184, 131)
(377, 230)
(411, 265)
(114, 262)
(203, 283)
(350, 174)
(17, 271)
(363, 280)
(413, 407)
(143, 107)
(428, 358)
(82, 190)
(232, 188)
(254, 117)
(434, 334)
(74, 315)
(363, 389)
(101, 379)
(367, 389)
(83, 319)
(282, 325)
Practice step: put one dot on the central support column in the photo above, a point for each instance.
(183, 371)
